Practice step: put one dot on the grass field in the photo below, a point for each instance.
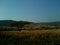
(30, 37)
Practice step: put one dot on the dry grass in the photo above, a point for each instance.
(30, 32)
(31, 37)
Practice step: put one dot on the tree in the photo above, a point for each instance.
(19, 24)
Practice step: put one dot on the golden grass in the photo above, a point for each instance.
(31, 37)
(31, 32)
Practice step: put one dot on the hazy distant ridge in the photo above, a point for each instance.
(6, 22)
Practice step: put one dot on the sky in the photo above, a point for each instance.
(30, 10)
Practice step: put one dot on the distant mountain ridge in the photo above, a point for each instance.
(57, 23)
(6, 22)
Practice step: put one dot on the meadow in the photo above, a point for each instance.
(30, 37)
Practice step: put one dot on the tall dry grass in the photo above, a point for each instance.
(30, 37)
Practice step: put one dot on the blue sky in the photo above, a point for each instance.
(30, 10)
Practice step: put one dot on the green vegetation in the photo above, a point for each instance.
(19, 24)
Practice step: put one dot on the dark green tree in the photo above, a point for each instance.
(19, 24)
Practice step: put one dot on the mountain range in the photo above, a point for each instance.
(6, 22)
